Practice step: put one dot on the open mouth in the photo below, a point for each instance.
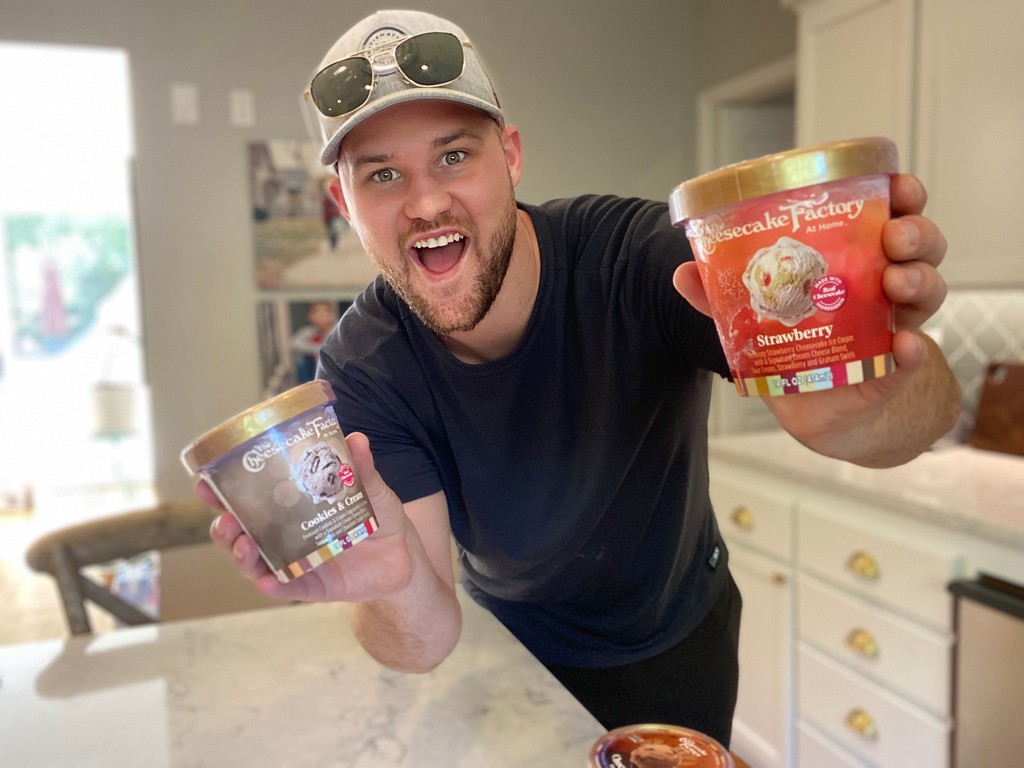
(440, 254)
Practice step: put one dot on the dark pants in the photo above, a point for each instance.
(692, 684)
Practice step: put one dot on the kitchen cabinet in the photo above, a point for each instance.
(844, 573)
(865, 718)
(756, 522)
(872, 598)
(970, 117)
(855, 71)
(939, 77)
(762, 724)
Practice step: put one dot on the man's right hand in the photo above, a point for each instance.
(401, 578)
(376, 567)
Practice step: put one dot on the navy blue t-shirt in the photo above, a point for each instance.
(575, 468)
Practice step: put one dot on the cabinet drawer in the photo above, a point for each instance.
(899, 569)
(893, 651)
(751, 515)
(875, 724)
(814, 750)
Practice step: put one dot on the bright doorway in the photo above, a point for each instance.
(74, 421)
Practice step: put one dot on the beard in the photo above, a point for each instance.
(456, 313)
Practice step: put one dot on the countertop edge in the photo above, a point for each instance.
(899, 488)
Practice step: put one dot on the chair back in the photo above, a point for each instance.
(65, 552)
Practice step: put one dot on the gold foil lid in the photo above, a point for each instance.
(653, 745)
(255, 421)
(780, 172)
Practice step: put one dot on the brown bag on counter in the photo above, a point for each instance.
(999, 425)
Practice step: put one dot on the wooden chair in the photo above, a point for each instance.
(63, 554)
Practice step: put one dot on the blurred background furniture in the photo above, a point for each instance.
(67, 552)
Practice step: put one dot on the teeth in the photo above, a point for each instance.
(435, 242)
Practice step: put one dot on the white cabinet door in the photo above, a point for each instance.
(970, 127)
(877, 726)
(762, 727)
(855, 72)
(814, 750)
(902, 655)
(752, 512)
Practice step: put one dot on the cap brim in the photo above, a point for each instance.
(332, 148)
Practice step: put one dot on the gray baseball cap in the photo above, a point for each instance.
(472, 88)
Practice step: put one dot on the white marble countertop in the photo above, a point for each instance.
(285, 686)
(958, 487)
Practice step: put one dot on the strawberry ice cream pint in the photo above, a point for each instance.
(789, 247)
(658, 746)
(283, 469)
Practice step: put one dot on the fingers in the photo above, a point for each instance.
(207, 496)
(916, 247)
(910, 236)
(916, 290)
(907, 194)
(910, 351)
(686, 280)
(913, 238)
(228, 535)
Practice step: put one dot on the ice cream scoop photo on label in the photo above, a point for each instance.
(779, 279)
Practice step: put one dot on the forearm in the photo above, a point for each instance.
(415, 628)
(924, 408)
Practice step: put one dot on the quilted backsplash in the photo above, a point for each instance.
(974, 327)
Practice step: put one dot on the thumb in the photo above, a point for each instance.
(386, 505)
(686, 280)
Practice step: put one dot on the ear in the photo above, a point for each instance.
(334, 190)
(512, 145)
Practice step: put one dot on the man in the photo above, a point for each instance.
(533, 383)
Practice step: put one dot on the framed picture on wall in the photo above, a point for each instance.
(290, 335)
(300, 239)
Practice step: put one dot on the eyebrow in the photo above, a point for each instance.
(461, 133)
(362, 160)
(438, 143)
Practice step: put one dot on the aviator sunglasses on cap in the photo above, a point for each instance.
(427, 60)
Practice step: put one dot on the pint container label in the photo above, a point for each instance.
(795, 284)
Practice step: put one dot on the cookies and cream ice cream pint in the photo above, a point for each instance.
(658, 746)
(789, 247)
(283, 469)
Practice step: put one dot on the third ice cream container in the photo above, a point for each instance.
(790, 252)
(652, 745)
(283, 469)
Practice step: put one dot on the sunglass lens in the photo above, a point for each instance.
(433, 58)
(342, 87)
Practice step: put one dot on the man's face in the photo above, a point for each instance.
(429, 187)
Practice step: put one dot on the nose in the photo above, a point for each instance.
(426, 199)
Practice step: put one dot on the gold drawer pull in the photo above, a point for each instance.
(778, 577)
(862, 641)
(861, 723)
(864, 565)
(743, 517)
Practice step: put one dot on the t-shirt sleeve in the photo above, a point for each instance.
(653, 250)
(401, 450)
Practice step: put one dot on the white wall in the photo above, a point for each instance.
(603, 92)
